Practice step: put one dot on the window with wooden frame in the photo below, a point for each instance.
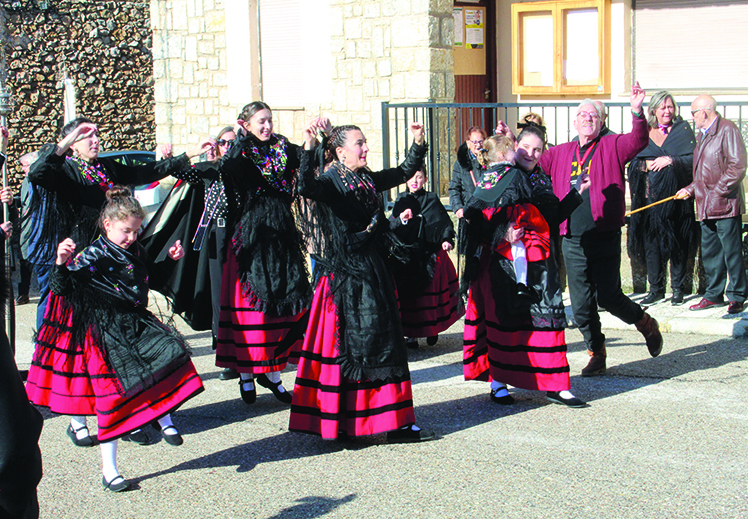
(561, 47)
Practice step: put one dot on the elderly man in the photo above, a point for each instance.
(719, 163)
(592, 234)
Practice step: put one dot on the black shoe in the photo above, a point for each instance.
(523, 291)
(118, 484)
(22, 300)
(284, 396)
(432, 340)
(87, 441)
(411, 343)
(652, 297)
(228, 374)
(409, 436)
(556, 398)
(677, 298)
(170, 438)
(501, 400)
(249, 397)
(140, 437)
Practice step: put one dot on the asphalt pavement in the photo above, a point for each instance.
(663, 437)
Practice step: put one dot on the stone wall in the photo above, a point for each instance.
(104, 47)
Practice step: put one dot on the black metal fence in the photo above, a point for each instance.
(446, 123)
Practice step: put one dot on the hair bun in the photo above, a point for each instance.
(118, 192)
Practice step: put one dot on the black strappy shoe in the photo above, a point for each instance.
(283, 396)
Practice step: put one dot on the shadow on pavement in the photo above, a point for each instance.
(313, 506)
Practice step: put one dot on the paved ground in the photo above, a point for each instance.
(662, 437)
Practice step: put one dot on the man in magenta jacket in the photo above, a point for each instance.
(591, 237)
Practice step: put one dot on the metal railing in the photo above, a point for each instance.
(446, 123)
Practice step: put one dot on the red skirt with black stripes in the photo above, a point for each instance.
(251, 341)
(438, 307)
(527, 359)
(325, 402)
(80, 382)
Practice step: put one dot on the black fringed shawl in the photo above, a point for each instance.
(267, 241)
(672, 224)
(106, 289)
(346, 228)
(430, 227)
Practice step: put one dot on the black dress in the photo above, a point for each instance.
(667, 231)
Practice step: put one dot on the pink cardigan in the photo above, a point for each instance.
(607, 190)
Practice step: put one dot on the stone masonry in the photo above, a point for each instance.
(104, 48)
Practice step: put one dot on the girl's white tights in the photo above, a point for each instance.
(109, 460)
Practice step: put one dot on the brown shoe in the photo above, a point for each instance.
(596, 366)
(649, 328)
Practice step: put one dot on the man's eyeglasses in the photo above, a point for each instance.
(477, 143)
(591, 115)
(694, 112)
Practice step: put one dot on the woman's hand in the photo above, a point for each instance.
(659, 163)
(637, 98)
(176, 251)
(203, 146)
(460, 212)
(166, 150)
(6, 195)
(406, 215)
(7, 229)
(5, 135)
(446, 246)
(514, 234)
(312, 129)
(81, 132)
(419, 135)
(65, 249)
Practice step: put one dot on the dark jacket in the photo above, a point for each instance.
(607, 193)
(719, 163)
(462, 183)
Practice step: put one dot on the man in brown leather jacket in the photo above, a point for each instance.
(719, 163)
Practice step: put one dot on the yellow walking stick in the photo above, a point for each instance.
(629, 213)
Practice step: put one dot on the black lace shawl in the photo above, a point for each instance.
(71, 204)
(671, 224)
(350, 237)
(106, 289)
(267, 241)
(428, 230)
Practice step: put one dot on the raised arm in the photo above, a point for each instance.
(389, 178)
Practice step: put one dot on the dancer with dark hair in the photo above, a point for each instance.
(265, 289)
(427, 284)
(353, 377)
(115, 360)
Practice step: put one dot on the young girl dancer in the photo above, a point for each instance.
(115, 360)
(427, 285)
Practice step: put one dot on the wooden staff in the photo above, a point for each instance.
(10, 309)
(651, 205)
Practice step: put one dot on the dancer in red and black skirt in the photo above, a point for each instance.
(265, 289)
(514, 333)
(75, 180)
(353, 376)
(115, 360)
(427, 283)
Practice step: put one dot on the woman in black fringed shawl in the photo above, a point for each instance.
(667, 231)
(353, 377)
(265, 289)
(75, 181)
(515, 334)
(427, 284)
